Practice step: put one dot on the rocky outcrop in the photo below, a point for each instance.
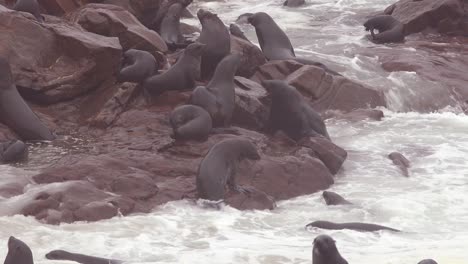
(325, 91)
(252, 56)
(57, 61)
(446, 16)
(115, 21)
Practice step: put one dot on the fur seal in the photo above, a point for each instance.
(190, 122)
(293, 3)
(400, 161)
(219, 97)
(363, 227)
(29, 6)
(427, 261)
(181, 76)
(15, 113)
(390, 29)
(170, 27)
(325, 251)
(137, 66)
(291, 113)
(275, 44)
(219, 167)
(217, 39)
(236, 31)
(13, 151)
(83, 259)
(244, 18)
(332, 198)
(18, 252)
(162, 11)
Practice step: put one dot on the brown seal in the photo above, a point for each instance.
(190, 122)
(390, 29)
(18, 252)
(137, 66)
(80, 258)
(332, 198)
(400, 161)
(364, 227)
(13, 151)
(29, 6)
(325, 251)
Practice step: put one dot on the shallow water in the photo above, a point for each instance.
(430, 206)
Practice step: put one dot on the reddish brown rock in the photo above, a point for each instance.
(115, 21)
(446, 16)
(252, 56)
(249, 111)
(57, 61)
(330, 154)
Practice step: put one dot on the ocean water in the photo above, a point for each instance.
(431, 206)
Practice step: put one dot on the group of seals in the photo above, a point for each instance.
(390, 29)
(15, 113)
(291, 113)
(137, 66)
(12, 151)
(363, 227)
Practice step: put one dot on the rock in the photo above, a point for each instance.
(400, 161)
(57, 61)
(115, 21)
(58, 7)
(325, 91)
(95, 211)
(330, 154)
(255, 200)
(446, 16)
(249, 111)
(252, 56)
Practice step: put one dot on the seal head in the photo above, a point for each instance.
(18, 252)
(325, 251)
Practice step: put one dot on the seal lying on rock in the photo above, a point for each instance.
(332, 198)
(216, 37)
(219, 97)
(364, 227)
(190, 122)
(83, 259)
(137, 66)
(12, 151)
(390, 29)
(291, 113)
(18, 252)
(181, 76)
(219, 167)
(275, 44)
(15, 113)
(29, 6)
(325, 251)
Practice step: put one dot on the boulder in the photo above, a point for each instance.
(57, 61)
(446, 16)
(330, 154)
(249, 111)
(115, 21)
(252, 56)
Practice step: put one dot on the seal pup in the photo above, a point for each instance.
(291, 113)
(29, 6)
(13, 151)
(400, 161)
(216, 37)
(219, 97)
(427, 261)
(170, 27)
(325, 251)
(18, 252)
(363, 227)
(275, 44)
(181, 76)
(83, 259)
(390, 29)
(137, 66)
(332, 198)
(190, 122)
(219, 167)
(15, 113)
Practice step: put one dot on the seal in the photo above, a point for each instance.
(219, 97)
(137, 66)
(15, 113)
(181, 76)
(18, 252)
(332, 198)
(291, 113)
(427, 261)
(324, 251)
(390, 29)
(236, 31)
(190, 122)
(83, 259)
(219, 167)
(217, 39)
(363, 227)
(29, 6)
(293, 3)
(170, 27)
(244, 18)
(162, 11)
(275, 44)
(13, 151)
(400, 161)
